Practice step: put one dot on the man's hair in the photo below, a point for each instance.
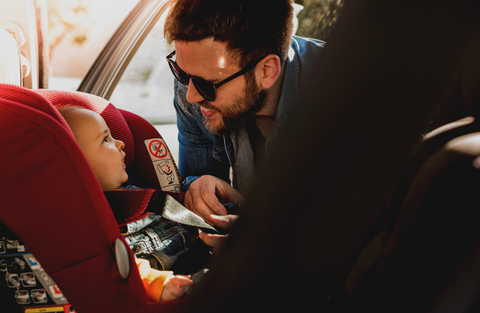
(250, 28)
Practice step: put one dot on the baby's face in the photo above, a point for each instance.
(103, 153)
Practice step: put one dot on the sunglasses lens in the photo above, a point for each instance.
(205, 89)
(179, 73)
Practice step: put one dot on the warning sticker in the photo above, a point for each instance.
(164, 164)
(157, 149)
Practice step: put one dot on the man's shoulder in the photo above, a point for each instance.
(307, 45)
(180, 101)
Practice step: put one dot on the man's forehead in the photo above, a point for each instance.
(205, 49)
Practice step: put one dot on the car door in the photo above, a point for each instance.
(26, 21)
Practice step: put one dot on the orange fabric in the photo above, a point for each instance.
(153, 280)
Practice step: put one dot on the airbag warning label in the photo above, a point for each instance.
(164, 164)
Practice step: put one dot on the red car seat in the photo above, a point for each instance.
(52, 201)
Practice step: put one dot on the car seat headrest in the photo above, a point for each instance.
(114, 119)
(421, 155)
(32, 99)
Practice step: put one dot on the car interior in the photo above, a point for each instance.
(427, 237)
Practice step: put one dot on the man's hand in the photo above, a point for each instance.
(206, 195)
(217, 241)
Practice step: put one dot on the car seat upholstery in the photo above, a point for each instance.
(10, 60)
(430, 232)
(54, 204)
(430, 229)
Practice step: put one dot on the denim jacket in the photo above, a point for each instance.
(203, 153)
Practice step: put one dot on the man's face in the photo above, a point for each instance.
(236, 101)
(103, 153)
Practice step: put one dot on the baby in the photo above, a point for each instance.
(106, 158)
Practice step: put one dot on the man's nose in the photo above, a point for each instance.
(192, 94)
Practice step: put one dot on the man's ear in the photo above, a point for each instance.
(270, 71)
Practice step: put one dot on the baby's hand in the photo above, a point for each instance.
(172, 289)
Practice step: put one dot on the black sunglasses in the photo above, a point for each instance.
(204, 88)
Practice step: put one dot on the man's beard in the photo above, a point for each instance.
(243, 109)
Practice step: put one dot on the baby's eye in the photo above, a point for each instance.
(105, 139)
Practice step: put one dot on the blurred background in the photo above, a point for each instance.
(79, 29)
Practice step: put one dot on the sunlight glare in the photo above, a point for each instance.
(221, 62)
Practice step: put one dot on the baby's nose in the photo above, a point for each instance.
(120, 145)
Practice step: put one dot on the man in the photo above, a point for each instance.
(238, 73)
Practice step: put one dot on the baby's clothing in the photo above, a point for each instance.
(154, 281)
(157, 243)
(159, 240)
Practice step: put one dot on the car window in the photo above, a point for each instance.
(146, 86)
(78, 31)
